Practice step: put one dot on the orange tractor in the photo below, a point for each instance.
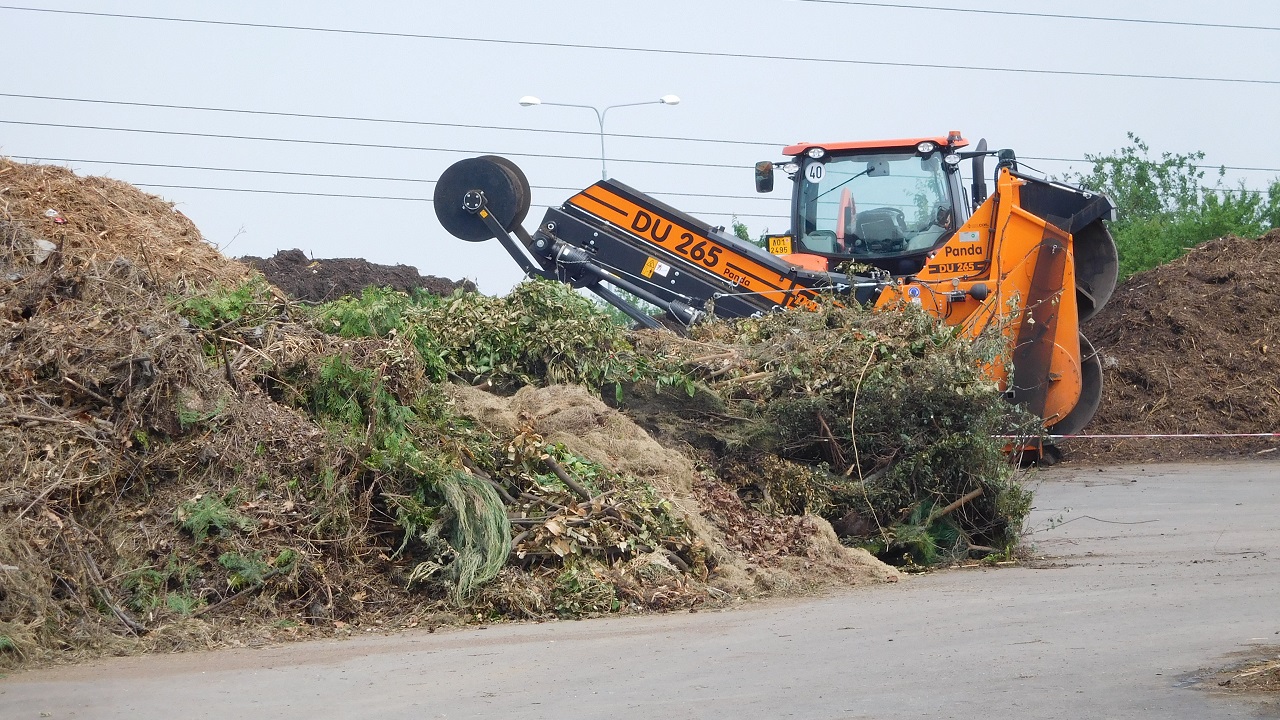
(885, 222)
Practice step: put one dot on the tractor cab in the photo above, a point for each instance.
(884, 203)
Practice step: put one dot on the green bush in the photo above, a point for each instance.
(1165, 208)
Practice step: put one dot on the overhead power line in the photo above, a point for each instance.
(427, 200)
(635, 49)
(247, 111)
(392, 121)
(1198, 167)
(378, 146)
(384, 197)
(356, 196)
(337, 143)
(291, 173)
(283, 192)
(1055, 16)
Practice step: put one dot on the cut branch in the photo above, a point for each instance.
(953, 506)
(577, 487)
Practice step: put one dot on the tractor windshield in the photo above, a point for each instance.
(874, 206)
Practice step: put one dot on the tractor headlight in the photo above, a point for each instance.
(815, 152)
(925, 147)
(791, 168)
(952, 159)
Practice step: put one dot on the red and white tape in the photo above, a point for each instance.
(1158, 435)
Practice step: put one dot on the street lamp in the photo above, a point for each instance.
(530, 101)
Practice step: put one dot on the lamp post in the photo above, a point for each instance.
(530, 101)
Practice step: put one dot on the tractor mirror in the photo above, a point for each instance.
(979, 175)
(764, 176)
(878, 168)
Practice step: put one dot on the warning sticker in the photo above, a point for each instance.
(970, 236)
(653, 267)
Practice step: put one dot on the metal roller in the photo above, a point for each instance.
(521, 182)
(505, 189)
(1097, 266)
(1090, 392)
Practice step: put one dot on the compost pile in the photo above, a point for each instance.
(1192, 346)
(318, 281)
(189, 458)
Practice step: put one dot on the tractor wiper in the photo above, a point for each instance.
(846, 182)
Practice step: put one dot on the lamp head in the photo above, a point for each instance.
(529, 101)
(667, 100)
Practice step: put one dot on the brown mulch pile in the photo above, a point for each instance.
(165, 486)
(317, 281)
(1191, 347)
(115, 423)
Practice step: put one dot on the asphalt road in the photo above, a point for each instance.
(1155, 573)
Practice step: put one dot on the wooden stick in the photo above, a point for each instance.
(577, 488)
(676, 560)
(86, 390)
(837, 457)
(953, 506)
(236, 596)
(497, 486)
(104, 595)
(231, 378)
(752, 377)
(39, 418)
(502, 492)
(725, 355)
(1255, 671)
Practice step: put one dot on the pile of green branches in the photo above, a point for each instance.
(541, 333)
(883, 422)
(465, 502)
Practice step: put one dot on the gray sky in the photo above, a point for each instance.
(741, 99)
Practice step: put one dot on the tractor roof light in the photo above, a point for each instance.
(791, 168)
(815, 152)
(954, 137)
(952, 159)
(925, 147)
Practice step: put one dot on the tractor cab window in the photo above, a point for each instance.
(874, 206)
